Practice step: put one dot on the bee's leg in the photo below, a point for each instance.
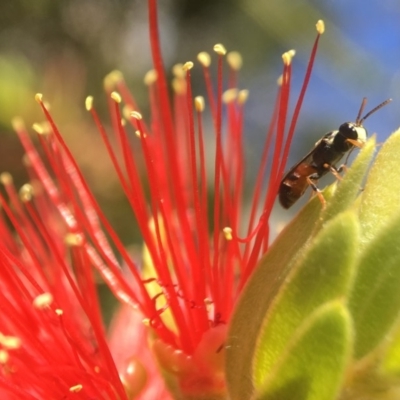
(335, 171)
(343, 167)
(311, 180)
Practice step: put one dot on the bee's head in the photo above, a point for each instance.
(352, 134)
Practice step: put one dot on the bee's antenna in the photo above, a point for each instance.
(360, 121)
(363, 103)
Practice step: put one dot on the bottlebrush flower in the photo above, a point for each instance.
(194, 266)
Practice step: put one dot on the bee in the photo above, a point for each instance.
(323, 157)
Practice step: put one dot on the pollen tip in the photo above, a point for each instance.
(76, 388)
(188, 66)
(140, 134)
(179, 85)
(17, 123)
(204, 59)
(150, 77)
(287, 57)
(26, 192)
(89, 103)
(177, 70)
(73, 239)
(37, 128)
(39, 97)
(112, 79)
(199, 103)
(136, 115)
(227, 233)
(243, 96)
(42, 128)
(116, 97)
(4, 357)
(229, 95)
(59, 311)
(126, 110)
(43, 301)
(146, 321)
(320, 25)
(235, 60)
(10, 342)
(219, 49)
(6, 178)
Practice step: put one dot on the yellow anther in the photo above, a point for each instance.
(320, 25)
(229, 95)
(10, 342)
(187, 66)
(43, 301)
(76, 388)
(126, 111)
(179, 85)
(4, 357)
(150, 77)
(26, 192)
(116, 97)
(59, 312)
(89, 103)
(243, 96)
(43, 128)
(146, 321)
(177, 70)
(227, 233)
(73, 239)
(37, 128)
(6, 178)
(204, 59)
(220, 49)
(287, 57)
(38, 97)
(234, 59)
(112, 79)
(199, 103)
(136, 115)
(17, 123)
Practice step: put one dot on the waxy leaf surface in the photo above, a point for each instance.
(313, 364)
(323, 274)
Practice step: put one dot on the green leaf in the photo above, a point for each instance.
(350, 186)
(257, 296)
(313, 363)
(323, 274)
(381, 196)
(375, 299)
(391, 360)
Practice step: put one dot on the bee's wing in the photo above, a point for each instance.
(295, 182)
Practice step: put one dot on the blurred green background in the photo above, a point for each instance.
(64, 48)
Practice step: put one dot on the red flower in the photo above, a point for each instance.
(194, 265)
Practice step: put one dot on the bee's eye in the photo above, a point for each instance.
(348, 131)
